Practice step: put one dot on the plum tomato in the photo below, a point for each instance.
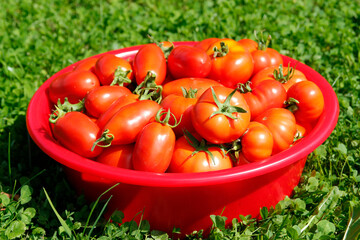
(117, 156)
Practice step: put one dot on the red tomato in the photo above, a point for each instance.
(87, 65)
(302, 130)
(287, 76)
(186, 61)
(249, 44)
(126, 124)
(73, 85)
(206, 43)
(220, 117)
(282, 125)
(185, 159)
(232, 66)
(78, 133)
(257, 142)
(154, 148)
(200, 84)
(181, 107)
(99, 100)
(223, 46)
(265, 58)
(115, 107)
(310, 101)
(267, 94)
(113, 70)
(149, 58)
(117, 156)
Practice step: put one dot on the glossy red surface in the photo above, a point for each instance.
(185, 201)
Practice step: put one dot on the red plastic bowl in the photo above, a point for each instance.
(185, 201)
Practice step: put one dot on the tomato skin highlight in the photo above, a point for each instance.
(184, 162)
(267, 94)
(99, 100)
(106, 66)
(257, 143)
(154, 148)
(282, 125)
(77, 132)
(151, 58)
(126, 124)
(186, 61)
(219, 128)
(73, 85)
(311, 101)
(117, 156)
(201, 84)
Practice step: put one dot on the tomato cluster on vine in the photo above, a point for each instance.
(214, 105)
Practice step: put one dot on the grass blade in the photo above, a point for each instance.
(353, 227)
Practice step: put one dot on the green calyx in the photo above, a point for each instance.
(262, 43)
(222, 52)
(165, 121)
(292, 104)
(62, 108)
(201, 146)
(120, 77)
(191, 93)
(148, 89)
(225, 108)
(244, 87)
(165, 50)
(279, 74)
(104, 140)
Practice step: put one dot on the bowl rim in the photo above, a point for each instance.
(41, 135)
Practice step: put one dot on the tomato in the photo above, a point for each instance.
(99, 99)
(73, 85)
(282, 125)
(206, 43)
(265, 58)
(117, 156)
(267, 94)
(309, 103)
(257, 142)
(149, 58)
(249, 44)
(126, 124)
(192, 155)
(232, 65)
(181, 107)
(115, 107)
(87, 65)
(200, 84)
(223, 46)
(186, 61)
(221, 115)
(154, 147)
(287, 76)
(302, 130)
(113, 70)
(77, 132)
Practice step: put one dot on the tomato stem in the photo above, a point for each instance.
(104, 140)
(225, 108)
(148, 89)
(279, 74)
(166, 120)
(262, 43)
(244, 88)
(191, 93)
(222, 52)
(165, 50)
(120, 77)
(62, 108)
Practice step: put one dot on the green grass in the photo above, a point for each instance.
(38, 38)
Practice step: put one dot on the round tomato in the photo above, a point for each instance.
(99, 99)
(221, 115)
(308, 101)
(192, 155)
(181, 107)
(223, 46)
(199, 84)
(73, 86)
(282, 125)
(265, 58)
(249, 44)
(154, 147)
(117, 156)
(206, 43)
(150, 58)
(113, 70)
(287, 76)
(232, 65)
(257, 142)
(267, 94)
(186, 61)
(78, 133)
(126, 124)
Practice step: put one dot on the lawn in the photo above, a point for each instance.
(39, 38)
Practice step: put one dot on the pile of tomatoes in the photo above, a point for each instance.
(214, 105)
